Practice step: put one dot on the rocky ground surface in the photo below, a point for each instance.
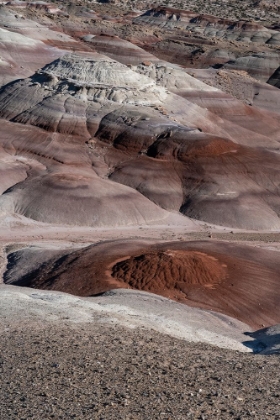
(109, 372)
(261, 10)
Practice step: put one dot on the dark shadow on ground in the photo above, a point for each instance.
(266, 341)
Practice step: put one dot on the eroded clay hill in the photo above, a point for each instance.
(169, 270)
(113, 118)
(240, 281)
(110, 144)
(211, 26)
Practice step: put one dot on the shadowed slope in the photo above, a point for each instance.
(207, 178)
(274, 79)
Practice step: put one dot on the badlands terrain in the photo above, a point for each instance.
(140, 210)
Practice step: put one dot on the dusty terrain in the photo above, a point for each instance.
(139, 210)
(109, 372)
(66, 357)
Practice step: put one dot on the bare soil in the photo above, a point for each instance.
(103, 372)
(170, 269)
(236, 280)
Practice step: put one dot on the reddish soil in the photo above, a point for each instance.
(169, 271)
(239, 281)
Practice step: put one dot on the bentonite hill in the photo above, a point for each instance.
(139, 209)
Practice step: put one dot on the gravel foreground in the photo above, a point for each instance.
(110, 372)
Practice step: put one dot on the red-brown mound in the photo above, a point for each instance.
(169, 270)
(239, 281)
